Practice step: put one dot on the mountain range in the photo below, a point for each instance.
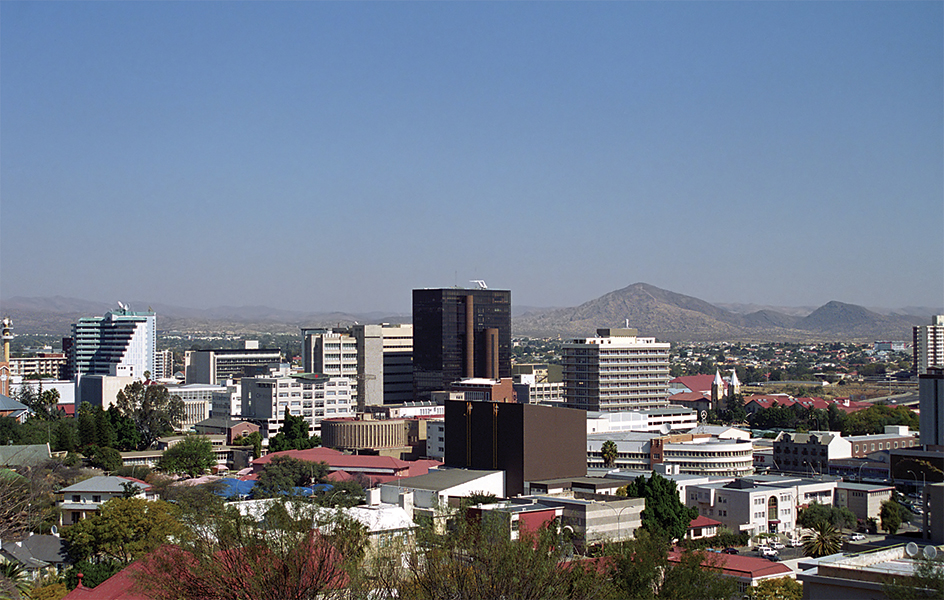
(670, 316)
(655, 312)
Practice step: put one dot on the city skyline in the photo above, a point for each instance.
(320, 157)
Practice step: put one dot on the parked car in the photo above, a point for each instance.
(794, 542)
(768, 552)
(772, 557)
(731, 551)
(776, 545)
(856, 537)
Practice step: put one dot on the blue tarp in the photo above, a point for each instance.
(235, 488)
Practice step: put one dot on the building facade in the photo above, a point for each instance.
(217, 366)
(691, 454)
(120, 343)
(929, 345)
(163, 365)
(931, 398)
(52, 365)
(616, 370)
(312, 396)
(459, 334)
(198, 401)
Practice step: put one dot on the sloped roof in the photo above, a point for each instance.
(703, 521)
(120, 586)
(107, 484)
(37, 550)
(736, 565)
(9, 404)
(696, 383)
(24, 456)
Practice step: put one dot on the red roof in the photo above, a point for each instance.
(703, 521)
(735, 565)
(119, 586)
(845, 405)
(337, 461)
(697, 383)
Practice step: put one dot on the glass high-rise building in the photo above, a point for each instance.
(459, 334)
(121, 342)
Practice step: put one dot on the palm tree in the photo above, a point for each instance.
(609, 452)
(824, 540)
(18, 584)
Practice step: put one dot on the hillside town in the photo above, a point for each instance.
(445, 458)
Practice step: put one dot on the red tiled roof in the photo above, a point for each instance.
(703, 521)
(337, 461)
(696, 383)
(119, 586)
(735, 565)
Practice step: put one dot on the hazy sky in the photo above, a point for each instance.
(334, 156)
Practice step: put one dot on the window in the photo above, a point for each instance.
(96, 498)
(76, 498)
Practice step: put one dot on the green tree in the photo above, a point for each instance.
(154, 411)
(609, 452)
(892, 515)
(839, 517)
(106, 459)
(254, 439)
(824, 540)
(664, 510)
(192, 456)
(14, 580)
(782, 588)
(284, 473)
(478, 559)
(342, 494)
(638, 564)
(293, 435)
(87, 430)
(124, 529)
(126, 432)
(104, 432)
(697, 576)
(93, 572)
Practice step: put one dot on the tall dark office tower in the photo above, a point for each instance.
(457, 334)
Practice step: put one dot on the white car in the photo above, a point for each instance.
(856, 537)
(776, 545)
(768, 552)
(795, 542)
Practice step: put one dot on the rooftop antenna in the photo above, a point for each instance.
(480, 283)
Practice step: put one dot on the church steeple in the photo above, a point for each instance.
(717, 391)
(735, 387)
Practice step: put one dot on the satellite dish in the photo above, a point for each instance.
(911, 549)
(930, 552)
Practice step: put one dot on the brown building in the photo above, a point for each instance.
(485, 390)
(404, 439)
(528, 441)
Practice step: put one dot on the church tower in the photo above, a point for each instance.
(717, 391)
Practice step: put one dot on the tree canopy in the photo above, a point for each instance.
(154, 411)
(837, 516)
(124, 529)
(609, 452)
(284, 473)
(664, 510)
(191, 456)
(293, 435)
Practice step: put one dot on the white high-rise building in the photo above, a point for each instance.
(163, 365)
(616, 370)
(312, 396)
(120, 343)
(929, 345)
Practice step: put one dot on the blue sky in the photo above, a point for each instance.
(320, 156)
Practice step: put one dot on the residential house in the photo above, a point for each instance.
(85, 498)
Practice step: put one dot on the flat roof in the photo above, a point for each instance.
(441, 479)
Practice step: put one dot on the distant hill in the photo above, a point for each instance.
(56, 315)
(653, 311)
(676, 317)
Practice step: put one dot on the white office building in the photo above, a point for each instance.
(120, 343)
(312, 396)
(616, 370)
(198, 400)
(929, 345)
